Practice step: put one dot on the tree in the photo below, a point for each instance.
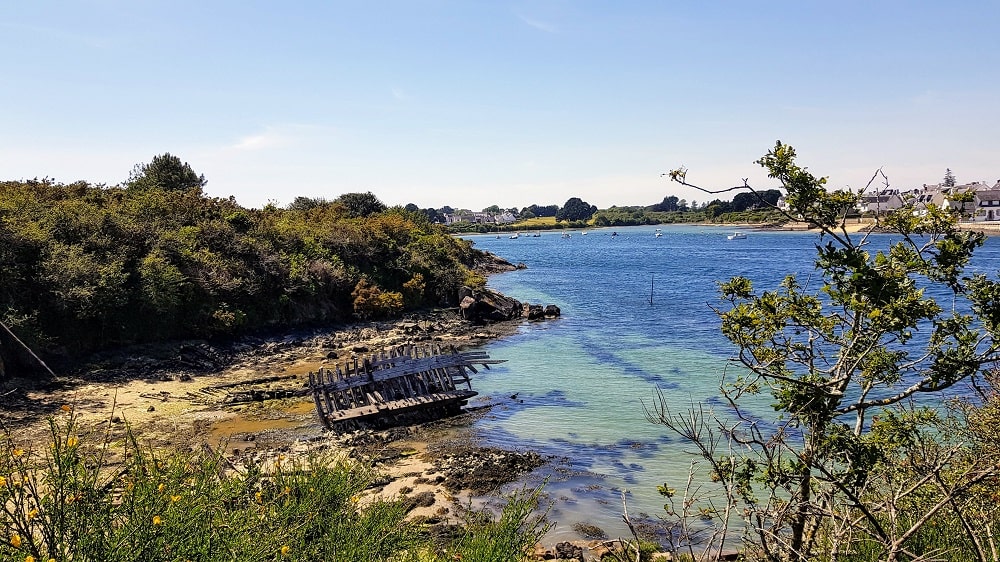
(359, 205)
(541, 211)
(301, 203)
(841, 365)
(493, 209)
(668, 204)
(949, 178)
(432, 215)
(165, 172)
(576, 209)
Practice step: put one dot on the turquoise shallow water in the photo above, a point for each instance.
(576, 387)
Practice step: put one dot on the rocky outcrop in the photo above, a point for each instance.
(487, 306)
(489, 263)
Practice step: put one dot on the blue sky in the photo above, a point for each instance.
(473, 103)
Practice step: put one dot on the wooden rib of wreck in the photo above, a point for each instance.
(404, 384)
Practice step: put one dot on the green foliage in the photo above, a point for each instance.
(165, 172)
(372, 302)
(86, 267)
(949, 178)
(575, 209)
(106, 497)
(508, 537)
(849, 465)
(360, 205)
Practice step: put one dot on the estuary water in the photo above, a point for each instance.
(636, 319)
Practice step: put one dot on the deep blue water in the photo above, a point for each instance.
(576, 387)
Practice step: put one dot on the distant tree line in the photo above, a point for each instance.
(577, 213)
(85, 267)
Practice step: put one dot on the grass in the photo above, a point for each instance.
(111, 498)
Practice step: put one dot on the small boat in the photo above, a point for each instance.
(658, 233)
(614, 234)
(514, 236)
(565, 235)
(583, 233)
(736, 236)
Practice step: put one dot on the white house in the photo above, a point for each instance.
(880, 202)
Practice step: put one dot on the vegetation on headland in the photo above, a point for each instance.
(86, 267)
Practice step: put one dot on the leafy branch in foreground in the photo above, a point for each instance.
(851, 467)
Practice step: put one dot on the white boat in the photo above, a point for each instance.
(565, 235)
(736, 236)
(514, 236)
(658, 233)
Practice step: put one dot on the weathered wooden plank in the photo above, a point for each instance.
(398, 406)
(423, 364)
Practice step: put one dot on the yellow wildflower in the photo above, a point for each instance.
(284, 550)
(18, 452)
(29, 558)
(71, 442)
(161, 487)
(258, 497)
(32, 514)
(287, 490)
(157, 520)
(3, 482)
(15, 540)
(175, 498)
(65, 408)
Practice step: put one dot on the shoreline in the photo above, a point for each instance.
(437, 467)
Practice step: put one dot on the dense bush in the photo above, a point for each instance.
(85, 267)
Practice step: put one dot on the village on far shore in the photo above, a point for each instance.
(977, 202)
(984, 207)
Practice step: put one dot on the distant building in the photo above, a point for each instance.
(480, 218)
(879, 203)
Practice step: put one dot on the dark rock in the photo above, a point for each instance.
(552, 311)
(423, 499)
(489, 306)
(533, 311)
(569, 551)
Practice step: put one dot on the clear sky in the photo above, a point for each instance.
(471, 103)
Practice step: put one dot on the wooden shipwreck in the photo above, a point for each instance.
(405, 384)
